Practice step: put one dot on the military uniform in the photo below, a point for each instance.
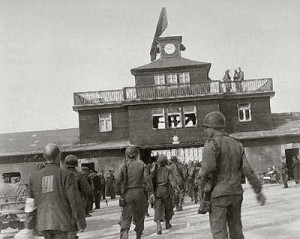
(135, 198)
(176, 169)
(227, 195)
(58, 202)
(164, 179)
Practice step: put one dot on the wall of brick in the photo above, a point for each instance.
(196, 75)
(141, 122)
(260, 113)
(89, 125)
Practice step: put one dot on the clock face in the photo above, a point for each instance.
(170, 48)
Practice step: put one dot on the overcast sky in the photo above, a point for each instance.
(50, 49)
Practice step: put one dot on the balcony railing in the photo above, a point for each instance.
(172, 91)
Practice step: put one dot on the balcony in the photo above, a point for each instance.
(172, 91)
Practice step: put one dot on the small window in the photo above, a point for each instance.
(172, 79)
(174, 118)
(244, 112)
(190, 117)
(105, 123)
(13, 177)
(184, 78)
(159, 80)
(158, 116)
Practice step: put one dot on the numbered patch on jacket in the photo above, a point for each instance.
(47, 184)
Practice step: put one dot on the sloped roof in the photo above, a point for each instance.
(168, 63)
(27, 143)
(33, 142)
(290, 128)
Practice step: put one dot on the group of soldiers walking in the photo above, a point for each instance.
(60, 197)
(216, 183)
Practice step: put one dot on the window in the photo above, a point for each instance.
(105, 123)
(172, 79)
(158, 116)
(13, 177)
(190, 118)
(159, 80)
(184, 78)
(244, 112)
(174, 118)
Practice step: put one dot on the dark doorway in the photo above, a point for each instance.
(91, 166)
(146, 156)
(289, 153)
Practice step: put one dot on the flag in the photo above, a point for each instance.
(162, 24)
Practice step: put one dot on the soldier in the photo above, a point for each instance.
(85, 189)
(176, 168)
(56, 197)
(164, 179)
(224, 162)
(130, 185)
(284, 172)
(192, 177)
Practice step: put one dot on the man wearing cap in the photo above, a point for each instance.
(130, 185)
(56, 197)
(224, 162)
(85, 189)
(164, 180)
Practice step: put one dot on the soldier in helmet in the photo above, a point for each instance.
(224, 162)
(86, 191)
(130, 185)
(176, 168)
(164, 180)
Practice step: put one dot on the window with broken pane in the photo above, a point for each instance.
(174, 118)
(158, 117)
(190, 116)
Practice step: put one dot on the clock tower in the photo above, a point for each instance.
(170, 47)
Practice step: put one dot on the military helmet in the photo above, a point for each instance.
(162, 160)
(131, 151)
(214, 119)
(71, 161)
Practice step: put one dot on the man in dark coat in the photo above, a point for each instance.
(110, 182)
(164, 180)
(103, 182)
(224, 162)
(130, 185)
(85, 189)
(97, 189)
(56, 197)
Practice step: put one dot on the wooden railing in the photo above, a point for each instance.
(172, 91)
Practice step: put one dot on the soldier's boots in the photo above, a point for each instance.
(158, 228)
(168, 225)
(138, 236)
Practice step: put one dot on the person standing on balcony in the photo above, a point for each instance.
(237, 82)
(241, 78)
(227, 80)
